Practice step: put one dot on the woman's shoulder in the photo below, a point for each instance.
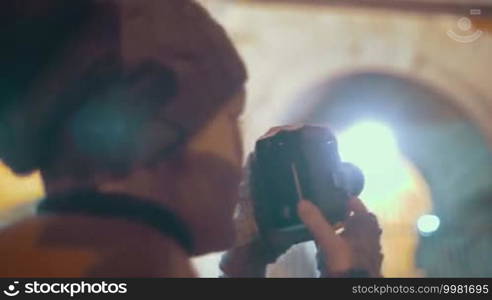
(79, 246)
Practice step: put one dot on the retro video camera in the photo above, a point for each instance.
(303, 163)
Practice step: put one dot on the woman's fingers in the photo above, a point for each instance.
(356, 205)
(363, 233)
(336, 251)
(362, 215)
(357, 247)
(322, 231)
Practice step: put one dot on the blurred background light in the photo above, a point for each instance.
(427, 224)
(372, 146)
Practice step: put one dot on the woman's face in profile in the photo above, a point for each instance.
(208, 183)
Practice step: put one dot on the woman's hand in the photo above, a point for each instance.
(254, 251)
(353, 253)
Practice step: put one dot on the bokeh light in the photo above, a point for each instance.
(427, 224)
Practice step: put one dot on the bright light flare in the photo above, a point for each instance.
(369, 145)
(372, 147)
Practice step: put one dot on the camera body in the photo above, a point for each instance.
(303, 163)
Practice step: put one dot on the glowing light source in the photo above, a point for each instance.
(427, 224)
(372, 147)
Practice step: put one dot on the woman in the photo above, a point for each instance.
(129, 110)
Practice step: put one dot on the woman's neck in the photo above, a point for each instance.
(65, 185)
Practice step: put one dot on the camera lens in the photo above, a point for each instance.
(354, 178)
